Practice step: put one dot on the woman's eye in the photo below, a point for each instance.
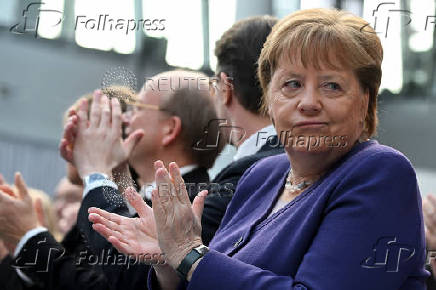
(292, 84)
(332, 86)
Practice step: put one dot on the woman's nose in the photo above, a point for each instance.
(309, 103)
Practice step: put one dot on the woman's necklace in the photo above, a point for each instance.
(296, 187)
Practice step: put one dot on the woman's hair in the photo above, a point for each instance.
(47, 208)
(326, 37)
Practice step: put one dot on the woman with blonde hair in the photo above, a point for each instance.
(336, 211)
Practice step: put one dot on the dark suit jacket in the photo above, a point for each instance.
(431, 281)
(9, 279)
(73, 264)
(53, 265)
(122, 276)
(119, 277)
(109, 199)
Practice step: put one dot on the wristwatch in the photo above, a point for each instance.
(186, 264)
(93, 177)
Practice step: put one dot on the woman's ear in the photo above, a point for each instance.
(172, 129)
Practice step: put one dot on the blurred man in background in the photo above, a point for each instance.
(172, 128)
(67, 201)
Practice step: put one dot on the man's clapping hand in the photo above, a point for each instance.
(96, 145)
(18, 213)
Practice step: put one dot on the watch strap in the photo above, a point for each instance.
(189, 260)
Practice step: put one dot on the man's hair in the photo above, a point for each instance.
(123, 93)
(195, 109)
(237, 52)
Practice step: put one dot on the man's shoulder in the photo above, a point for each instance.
(198, 175)
(238, 167)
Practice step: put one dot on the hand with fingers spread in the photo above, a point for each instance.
(178, 222)
(17, 213)
(98, 144)
(131, 236)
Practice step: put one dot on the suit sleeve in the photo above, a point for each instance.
(221, 192)
(47, 264)
(9, 278)
(378, 201)
(119, 275)
(215, 206)
(104, 197)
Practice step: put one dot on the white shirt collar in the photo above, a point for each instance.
(253, 143)
(187, 169)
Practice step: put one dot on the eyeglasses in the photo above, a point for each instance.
(132, 105)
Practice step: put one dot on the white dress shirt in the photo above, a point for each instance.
(147, 188)
(252, 144)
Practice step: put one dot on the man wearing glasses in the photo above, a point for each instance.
(236, 96)
(161, 123)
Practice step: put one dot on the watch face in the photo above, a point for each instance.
(93, 177)
(96, 176)
(202, 249)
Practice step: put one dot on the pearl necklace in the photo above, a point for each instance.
(295, 187)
